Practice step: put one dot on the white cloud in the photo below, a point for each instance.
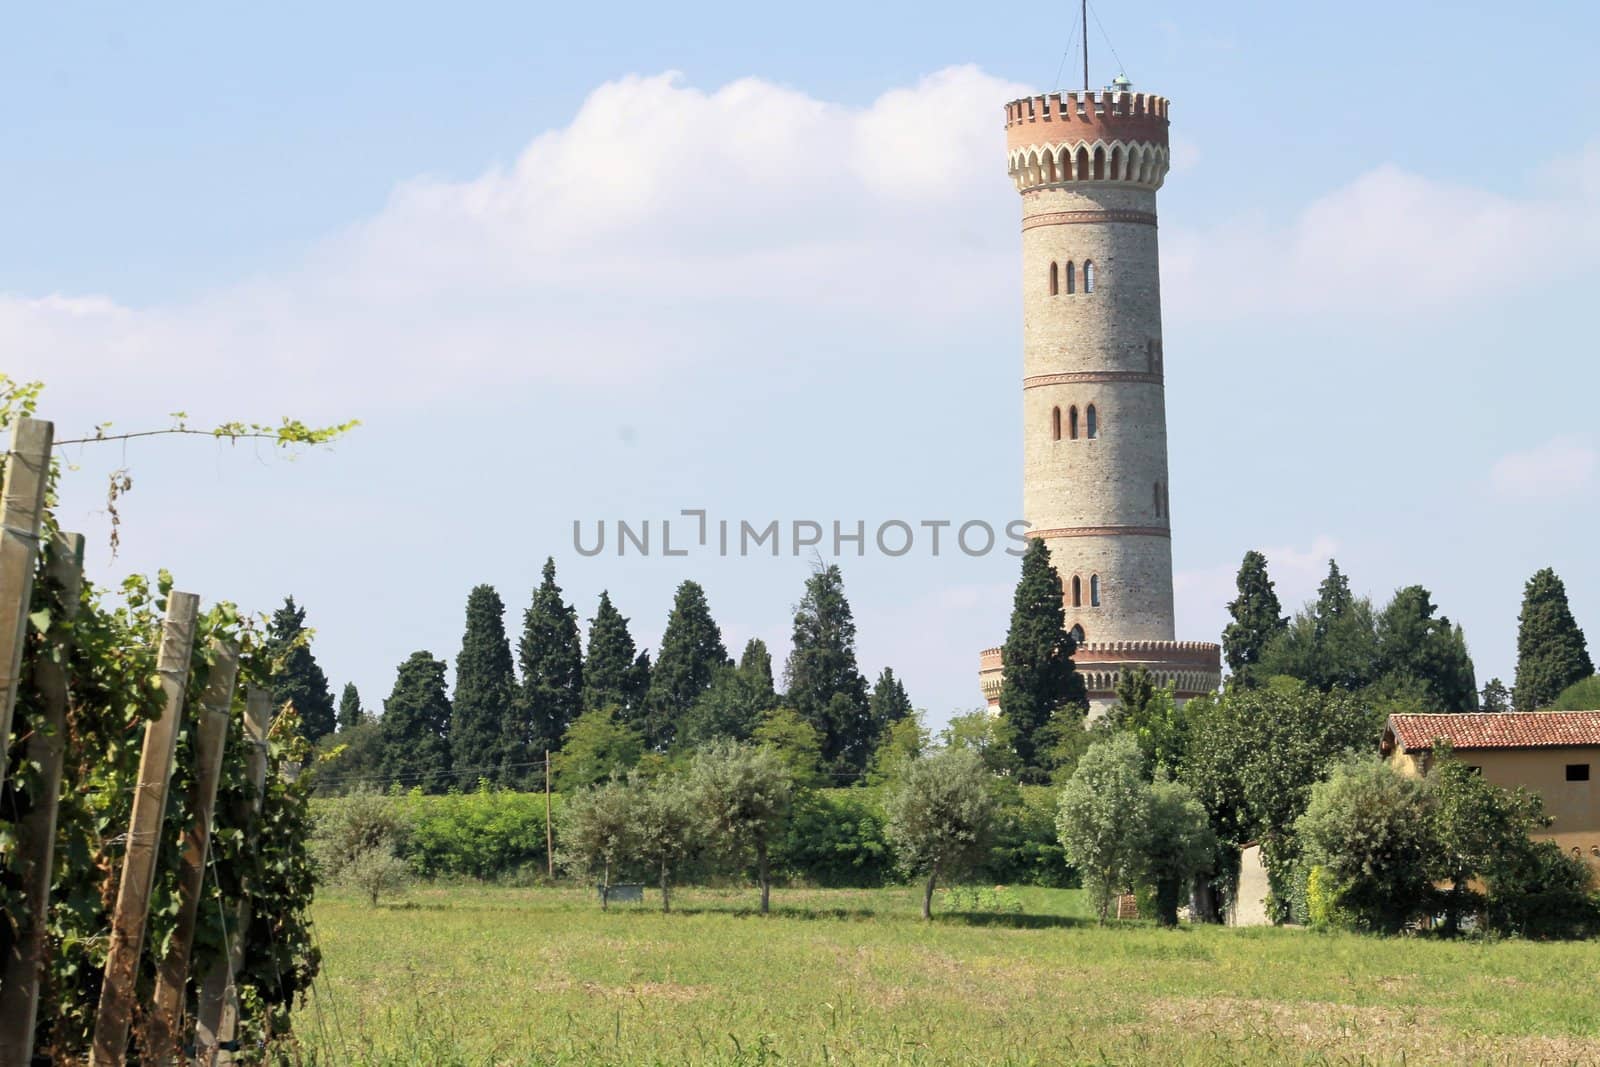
(1559, 467)
(1388, 242)
(663, 226)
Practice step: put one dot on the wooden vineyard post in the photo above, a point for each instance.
(549, 831)
(218, 1021)
(36, 831)
(172, 981)
(21, 512)
(118, 991)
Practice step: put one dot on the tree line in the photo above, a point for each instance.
(600, 708)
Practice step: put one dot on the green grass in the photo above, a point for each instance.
(483, 975)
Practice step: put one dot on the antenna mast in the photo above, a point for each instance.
(1084, 15)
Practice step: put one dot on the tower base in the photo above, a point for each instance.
(1192, 668)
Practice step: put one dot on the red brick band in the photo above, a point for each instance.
(1102, 531)
(1074, 377)
(1081, 218)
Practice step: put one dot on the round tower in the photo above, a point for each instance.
(1094, 427)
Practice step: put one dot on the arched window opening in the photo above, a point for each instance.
(1099, 164)
(1055, 424)
(1081, 164)
(1077, 591)
(1072, 277)
(1092, 423)
(1055, 279)
(1072, 422)
(1094, 590)
(1088, 275)
(1077, 633)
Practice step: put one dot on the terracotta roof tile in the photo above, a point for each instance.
(1507, 729)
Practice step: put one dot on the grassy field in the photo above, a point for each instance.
(479, 975)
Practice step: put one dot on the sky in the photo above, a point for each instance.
(578, 263)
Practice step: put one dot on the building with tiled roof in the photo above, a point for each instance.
(1552, 753)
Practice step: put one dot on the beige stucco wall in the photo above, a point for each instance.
(1250, 902)
(1575, 806)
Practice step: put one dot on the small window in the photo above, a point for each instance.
(1092, 425)
(1077, 591)
(1473, 768)
(1072, 422)
(1094, 602)
(1077, 633)
(1155, 491)
(1577, 772)
(1072, 277)
(1055, 279)
(1088, 275)
(1055, 423)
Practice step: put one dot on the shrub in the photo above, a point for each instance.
(1026, 848)
(836, 837)
(487, 834)
(1544, 894)
(356, 843)
(997, 901)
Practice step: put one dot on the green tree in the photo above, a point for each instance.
(1152, 717)
(416, 726)
(551, 658)
(1370, 828)
(731, 708)
(350, 713)
(1413, 643)
(1496, 696)
(824, 684)
(597, 831)
(1180, 844)
(1480, 829)
(1332, 642)
(756, 663)
(746, 793)
(1103, 819)
(992, 737)
(941, 817)
(666, 824)
(797, 744)
(889, 703)
(1551, 651)
(1040, 677)
(904, 741)
(611, 672)
(597, 746)
(295, 674)
(354, 758)
(483, 707)
(357, 841)
(1257, 619)
(1579, 696)
(691, 652)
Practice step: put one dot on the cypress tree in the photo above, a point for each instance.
(1412, 643)
(1257, 619)
(608, 671)
(756, 663)
(295, 674)
(1040, 677)
(691, 652)
(1496, 697)
(551, 658)
(486, 692)
(1551, 651)
(350, 713)
(889, 703)
(415, 728)
(825, 685)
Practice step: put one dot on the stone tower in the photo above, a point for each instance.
(1094, 426)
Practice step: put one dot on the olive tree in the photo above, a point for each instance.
(665, 826)
(1103, 818)
(597, 831)
(745, 793)
(941, 816)
(1180, 844)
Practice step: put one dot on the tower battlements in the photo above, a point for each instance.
(1055, 118)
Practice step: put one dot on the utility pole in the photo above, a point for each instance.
(549, 831)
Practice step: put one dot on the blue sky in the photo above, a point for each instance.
(614, 262)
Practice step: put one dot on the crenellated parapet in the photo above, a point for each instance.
(1059, 138)
(1191, 668)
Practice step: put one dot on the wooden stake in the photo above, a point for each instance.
(36, 831)
(549, 831)
(218, 1021)
(118, 992)
(172, 982)
(21, 512)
